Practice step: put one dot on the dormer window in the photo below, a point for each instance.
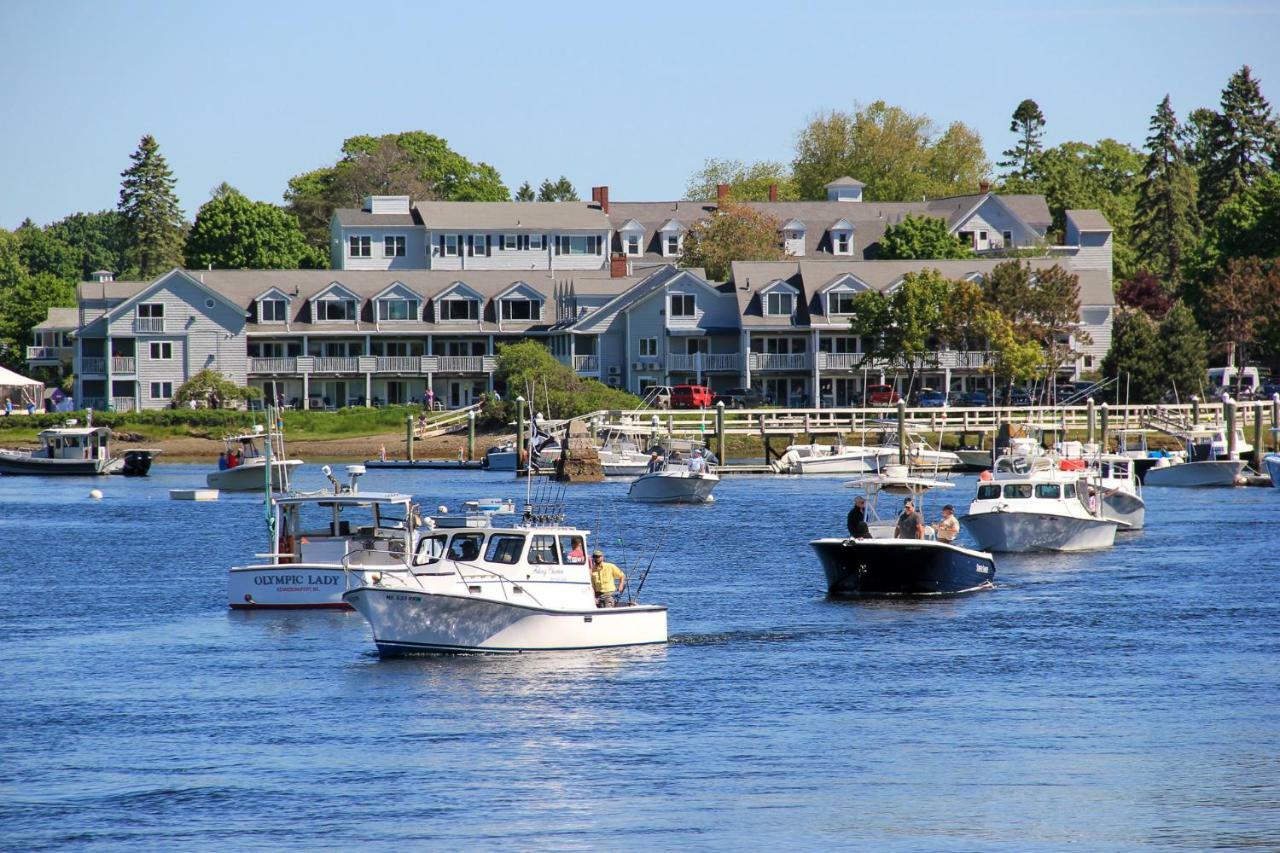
(459, 309)
(335, 309)
(682, 305)
(842, 243)
(632, 244)
(779, 304)
(360, 247)
(273, 310)
(397, 309)
(521, 309)
(673, 245)
(841, 302)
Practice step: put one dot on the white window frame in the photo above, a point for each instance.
(510, 242)
(262, 310)
(412, 309)
(479, 242)
(451, 244)
(393, 246)
(648, 347)
(151, 310)
(779, 294)
(164, 393)
(359, 246)
(632, 245)
(667, 250)
(843, 244)
(535, 242)
(681, 298)
(322, 313)
(535, 309)
(445, 310)
(837, 294)
(164, 348)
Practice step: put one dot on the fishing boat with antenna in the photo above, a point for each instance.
(883, 566)
(243, 464)
(489, 580)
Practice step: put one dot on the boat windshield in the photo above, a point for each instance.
(988, 492)
(1017, 490)
(1048, 490)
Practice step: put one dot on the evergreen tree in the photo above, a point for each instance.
(1134, 357)
(560, 190)
(1243, 143)
(1027, 122)
(1166, 224)
(525, 193)
(1184, 355)
(153, 224)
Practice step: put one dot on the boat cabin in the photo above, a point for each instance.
(75, 443)
(363, 529)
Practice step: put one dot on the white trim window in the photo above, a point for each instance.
(682, 305)
(161, 390)
(510, 242)
(450, 245)
(478, 244)
(671, 245)
(459, 309)
(273, 310)
(779, 304)
(521, 309)
(840, 302)
(394, 309)
(843, 245)
(151, 310)
(648, 347)
(335, 310)
(535, 242)
(360, 247)
(632, 245)
(161, 350)
(393, 247)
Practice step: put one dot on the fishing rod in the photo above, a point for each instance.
(635, 596)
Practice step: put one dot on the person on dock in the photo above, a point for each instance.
(603, 578)
(857, 520)
(910, 523)
(949, 527)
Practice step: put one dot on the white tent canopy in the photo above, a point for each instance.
(15, 386)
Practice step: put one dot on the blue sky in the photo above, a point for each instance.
(633, 96)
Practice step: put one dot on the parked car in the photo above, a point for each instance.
(1266, 390)
(930, 399)
(1014, 397)
(880, 395)
(740, 398)
(974, 398)
(657, 396)
(690, 397)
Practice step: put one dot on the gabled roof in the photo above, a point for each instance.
(779, 284)
(843, 181)
(336, 290)
(459, 290)
(840, 224)
(845, 281)
(59, 318)
(794, 224)
(524, 290)
(159, 283)
(672, 225)
(349, 217)
(273, 292)
(1088, 220)
(631, 225)
(400, 287)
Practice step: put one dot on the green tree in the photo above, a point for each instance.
(1028, 123)
(525, 193)
(153, 223)
(747, 181)
(1166, 225)
(901, 327)
(529, 369)
(1184, 355)
(921, 238)
(561, 190)
(235, 232)
(1041, 306)
(97, 238)
(1133, 359)
(1243, 302)
(24, 302)
(898, 155)
(212, 389)
(42, 252)
(735, 233)
(1248, 224)
(1242, 143)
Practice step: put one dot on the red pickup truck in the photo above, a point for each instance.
(690, 397)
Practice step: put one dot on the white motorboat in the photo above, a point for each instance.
(74, 450)
(1117, 484)
(675, 483)
(1206, 464)
(317, 541)
(1031, 504)
(1271, 464)
(246, 465)
(622, 457)
(828, 459)
(479, 586)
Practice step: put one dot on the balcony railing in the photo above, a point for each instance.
(350, 364)
(93, 365)
(586, 363)
(46, 353)
(465, 363)
(273, 365)
(399, 364)
(148, 325)
(124, 364)
(708, 362)
(780, 361)
(123, 404)
(942, 360)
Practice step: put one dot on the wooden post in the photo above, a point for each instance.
(1229, 411)
(519, 434)
(902, 433)
(471, 435)
(1106, 412)
(408, 430)
(1195, 410)
(1275, 422)
(720, 443)
(1257, 436)
(1089, 422)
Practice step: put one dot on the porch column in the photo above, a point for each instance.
(306, 390)
(817, 389)
(107, 402)
(745, 347)
(368, 390)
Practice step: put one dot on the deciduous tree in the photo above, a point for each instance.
(1243, 302)
(747, 181)
(24, 302)
(735, 233)
(235, 232)
(1166, 225)
(921, 238)
(1146, 293)
(1248, 224)
(98, 240)
(153, 223)
(212, 389)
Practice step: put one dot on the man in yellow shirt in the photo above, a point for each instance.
(603, 576)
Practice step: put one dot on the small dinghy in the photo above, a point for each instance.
(882, 566)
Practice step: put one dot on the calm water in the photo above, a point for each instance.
(1104, 701)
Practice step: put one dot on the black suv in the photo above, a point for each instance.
(740, 398)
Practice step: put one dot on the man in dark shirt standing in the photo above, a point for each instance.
(910, 523)
(857, 520)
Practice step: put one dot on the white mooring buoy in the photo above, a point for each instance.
(96, 494)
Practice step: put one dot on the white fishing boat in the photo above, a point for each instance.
(1271, 464)
(317, 541)
(675, 482)
(74, 450)
(1204, 463)
(828, 459)
(620, 456)
(1032, 504)
(478, 585)
(248, 471)
(1116, 483)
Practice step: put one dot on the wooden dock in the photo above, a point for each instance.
(425, 464)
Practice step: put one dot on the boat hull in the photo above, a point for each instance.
(674, 487)
(24, 464)
(289, 586)
(250, 477)
(1127, 508)
(884, 568)
(974, 460)
(1271, 464)
(850, 464)
(1020, 532)
(1221, 472)
(410, 622)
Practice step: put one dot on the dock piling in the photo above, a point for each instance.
(1257, 436)
(902, 432)
(720, 448)
(519, 434)
(471, 435)
(1229, 412)
(1090, 420)
(1105, 417)
(408, 431)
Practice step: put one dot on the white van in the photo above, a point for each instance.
(1241, 382)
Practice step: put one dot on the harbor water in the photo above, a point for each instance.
(1111, 700)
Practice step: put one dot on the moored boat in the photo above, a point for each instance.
(248, 473)
(74, 450)
(674, 483)
(1205, 463)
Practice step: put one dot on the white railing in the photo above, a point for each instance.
(465, 363)
(90, 364)
(348, 364)
(123, 404)
(780, 361)
(839, 360)
(399, 364)
(586, 363)
(43, 353)
(945, 359)
(124, 364)
(707, 362)
(148, 325)
(273, 365)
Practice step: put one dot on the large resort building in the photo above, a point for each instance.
(422, 295)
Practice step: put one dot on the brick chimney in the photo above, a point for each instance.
(773, 192)
(618, 266)
(984, 186)
(603, 198)
(722, 194)
(595, 193)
